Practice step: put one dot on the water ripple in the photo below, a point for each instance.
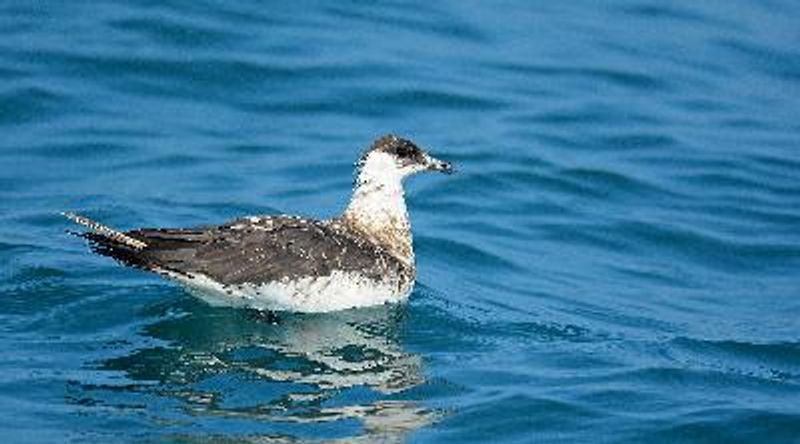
(614, 260)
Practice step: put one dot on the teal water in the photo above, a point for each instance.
(617, 260)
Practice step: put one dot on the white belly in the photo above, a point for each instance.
(339, 291)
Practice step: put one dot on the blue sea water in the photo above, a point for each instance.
(617, 260)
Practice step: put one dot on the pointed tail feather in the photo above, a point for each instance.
(102, 230)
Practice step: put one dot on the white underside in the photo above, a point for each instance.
(339, 291)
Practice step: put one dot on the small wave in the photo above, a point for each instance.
(614, 183)
(587, 115)
(30, 104)
(432, 99)
(454, 253)
(681, 13)
(638, 141)
(176, 31)
(436, 21)
(707, 249)
(82, 150)
(778, 63)
(616, 77)
(166, 161)
(725, 424)
(566, 415)
(774, 361)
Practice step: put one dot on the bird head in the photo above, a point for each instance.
(397, 157)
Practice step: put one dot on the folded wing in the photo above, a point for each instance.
(251, 250)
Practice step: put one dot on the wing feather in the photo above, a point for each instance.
(259, 250)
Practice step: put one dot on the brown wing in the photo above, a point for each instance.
(253, 250)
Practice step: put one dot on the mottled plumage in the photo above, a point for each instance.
(286, 262)
(255, 250)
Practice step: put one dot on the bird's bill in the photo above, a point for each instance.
(441, 166)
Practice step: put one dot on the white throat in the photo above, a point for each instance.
(378, 206)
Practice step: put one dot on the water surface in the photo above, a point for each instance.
(617, 260)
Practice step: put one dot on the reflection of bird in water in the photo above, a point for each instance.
(353, 349)
(306, 369)
(363, 257)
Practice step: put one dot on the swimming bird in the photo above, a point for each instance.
(360, 258)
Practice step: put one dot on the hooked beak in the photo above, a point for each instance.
(441, 166)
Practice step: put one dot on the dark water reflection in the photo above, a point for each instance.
(275, 373)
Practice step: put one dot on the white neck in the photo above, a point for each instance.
(378, 207)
